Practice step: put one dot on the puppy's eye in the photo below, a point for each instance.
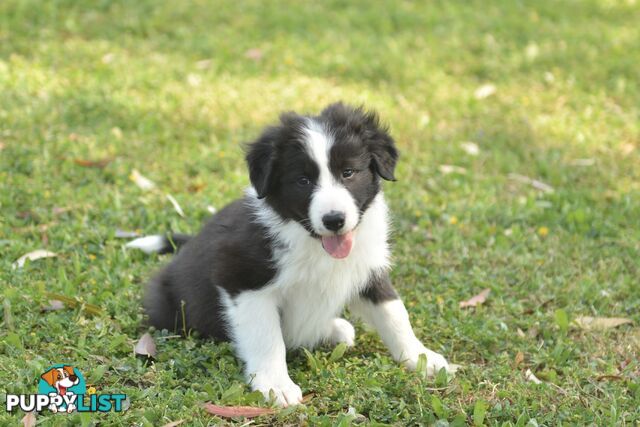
(303, 181)
(348, 173)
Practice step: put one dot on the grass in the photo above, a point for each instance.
(168, 89)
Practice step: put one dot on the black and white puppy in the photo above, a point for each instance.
(275, 269)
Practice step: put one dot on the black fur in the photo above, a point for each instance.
(379, 289)
(234, 253)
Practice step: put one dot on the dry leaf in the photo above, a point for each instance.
(476, 300)
(100, 164)
(255, 54)
(583, 162)
(54, 305)
(447, 169)
(600, 323)
(485, 91)
(29, 420)
(610, 377)
(145, 346)
(73, 303)
(175, 204)
(123, 234)
(173, 423)
(141, 181)
(530, 377)
(471, 148)
(32, 256)
(538, 185)
(237, 411)
(518, 359)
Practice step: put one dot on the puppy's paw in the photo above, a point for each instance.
(284, 391)
(342, 331)
(435, 361)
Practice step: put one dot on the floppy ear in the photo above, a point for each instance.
(69, 370)
(382, 147)
(260, 157)
(262, 153)
(50, 377)
(384, 157)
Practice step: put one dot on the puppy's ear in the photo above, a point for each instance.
(260, 158)
(50, 377)
(382, 147)
(262, 153)
(68, 370)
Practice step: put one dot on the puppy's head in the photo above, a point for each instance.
(323, 171)
(64, 377)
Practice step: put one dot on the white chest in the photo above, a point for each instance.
(313, 288)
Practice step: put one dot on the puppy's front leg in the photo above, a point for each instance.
(379, 306)
(257, 337)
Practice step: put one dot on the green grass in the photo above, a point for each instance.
(167, 89)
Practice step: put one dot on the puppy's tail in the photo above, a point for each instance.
(159, 243)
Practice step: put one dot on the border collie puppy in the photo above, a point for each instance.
(276, 268)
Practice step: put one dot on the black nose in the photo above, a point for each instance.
(334, 220)
(73, 378)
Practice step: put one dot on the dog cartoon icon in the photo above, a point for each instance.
(61, 379)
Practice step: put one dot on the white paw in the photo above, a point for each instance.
(342, 331)
(435, 361)
(285, 392)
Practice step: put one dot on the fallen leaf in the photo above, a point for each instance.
(447, 169)
(237, 411)
(100, 164)
(518, 359)
(173, 423)
(29, 420)
(471, 148)
(538, 185)
(32, 256)
(476, 300)
(123, 234)
(485, 91)
(54, 305)
(141, 181)
(196, 187)
(74, 303)
(530, 377)
(256, 54)
(307, 397)
(600, 323)
(583, 162)
(610, 377)
(145, 346)
(175, 204)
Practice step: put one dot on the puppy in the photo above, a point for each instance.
(61, 379)
(276, 268)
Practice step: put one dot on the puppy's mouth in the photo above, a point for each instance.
(338, 246)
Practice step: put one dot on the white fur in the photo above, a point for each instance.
(329, 195)
(147, 244)
(391, 320)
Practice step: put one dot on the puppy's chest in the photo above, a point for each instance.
(315, 288)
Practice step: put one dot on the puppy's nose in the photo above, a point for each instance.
(73, 378)
(334, 220)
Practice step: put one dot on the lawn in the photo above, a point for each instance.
(518, 124)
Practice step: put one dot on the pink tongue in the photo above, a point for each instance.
(338, 246)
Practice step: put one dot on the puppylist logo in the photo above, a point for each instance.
(62, 389)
